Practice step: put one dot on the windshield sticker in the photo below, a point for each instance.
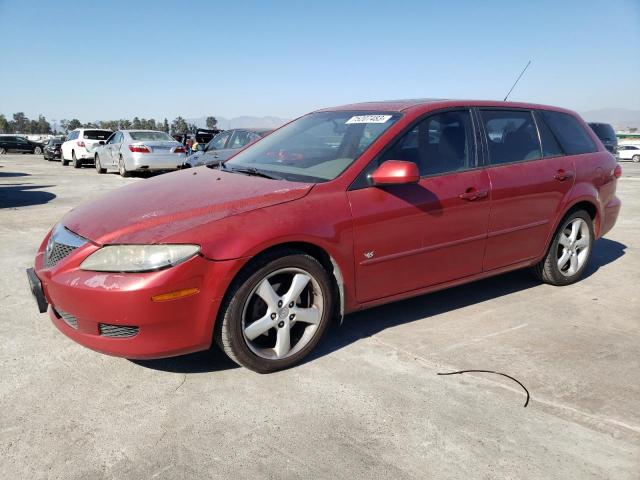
(368, 119)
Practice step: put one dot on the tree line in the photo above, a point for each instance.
(20, 123)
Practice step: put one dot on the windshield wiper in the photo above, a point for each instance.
(252, 171)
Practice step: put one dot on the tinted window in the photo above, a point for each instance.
(572, 136)
(96, 134)
(604, 131)
(511, 136)
(550, 145)
(439, 144)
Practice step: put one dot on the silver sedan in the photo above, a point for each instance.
(130, 151)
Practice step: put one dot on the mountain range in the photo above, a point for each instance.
(620, 118)
(244, 121)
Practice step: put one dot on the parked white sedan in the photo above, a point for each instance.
(130, 151)
(629, 152)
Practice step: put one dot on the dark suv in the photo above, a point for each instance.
(607, 135)
(16, 144)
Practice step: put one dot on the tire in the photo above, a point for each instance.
(3, 151)
(636, 158)
(63, 161)
(99, 168)
(37, 151)
(122, 168)
(316, 303)
(76, 163)
(557, 267)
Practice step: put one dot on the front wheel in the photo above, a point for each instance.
(99, 168)
(276, 311)
(636, 158)
(570, 250)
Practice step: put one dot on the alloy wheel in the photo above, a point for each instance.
(282, 313)
(573, 247)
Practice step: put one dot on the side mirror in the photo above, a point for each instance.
(101, 142)
(395, 172)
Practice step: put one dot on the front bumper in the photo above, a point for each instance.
(83, 303)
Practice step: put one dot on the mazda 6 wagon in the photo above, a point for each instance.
(340, 210)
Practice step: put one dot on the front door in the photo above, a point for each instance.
(409, 237)
(528, 182)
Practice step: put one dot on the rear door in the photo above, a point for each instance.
(238, 140)
(530, 177)
(23, 145)
(408, 237)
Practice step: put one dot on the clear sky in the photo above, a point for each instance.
(116, 59)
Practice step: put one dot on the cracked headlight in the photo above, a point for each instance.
(138, 258)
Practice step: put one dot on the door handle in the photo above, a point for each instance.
(561, 175)
(472, 194)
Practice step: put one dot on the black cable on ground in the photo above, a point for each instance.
(496, 373)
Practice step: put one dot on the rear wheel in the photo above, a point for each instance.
(122, 168)
(99, 168)
(570, 250)
(636, 158)
(62, 159)
(37, 151)
(276, 311)
(3, 151)
(76, 163)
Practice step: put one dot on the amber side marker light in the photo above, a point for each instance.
(185, 292)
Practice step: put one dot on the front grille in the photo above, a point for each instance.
(117, 331)
(57, 253)
(68, 318)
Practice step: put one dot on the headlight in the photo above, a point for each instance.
(138, 258)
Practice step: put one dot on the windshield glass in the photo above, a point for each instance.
(317, 147)
(151, 136)
(96, 134)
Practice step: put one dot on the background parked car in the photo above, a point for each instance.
(224, 145)
(80, 145)
(18, 144)
(607, 135)
(629, 152)
(138, 150)
(53, 149)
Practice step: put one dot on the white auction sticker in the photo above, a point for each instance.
(369, 119)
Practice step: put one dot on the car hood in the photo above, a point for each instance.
(154, 210)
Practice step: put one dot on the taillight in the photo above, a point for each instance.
(139, 148)
(179, 150)
(617, 172)
(80, 144)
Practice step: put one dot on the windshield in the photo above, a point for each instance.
(96, 134)
(151, 136)
(317, 147)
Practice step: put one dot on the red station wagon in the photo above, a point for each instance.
(337, 211)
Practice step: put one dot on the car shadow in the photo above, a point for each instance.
(13, 174)
(24, 195)
(367, 323)
(364, 324)
(212, 360)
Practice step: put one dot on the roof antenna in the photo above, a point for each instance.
(517, 80)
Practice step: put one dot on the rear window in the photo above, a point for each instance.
(151, 136)
(573, 138)
(96, 134)
(604, 131)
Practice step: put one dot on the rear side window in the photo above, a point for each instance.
(441, 143)
(572, 136)
(511, 136)
(240, 139)
(550, 145)
(96, 134)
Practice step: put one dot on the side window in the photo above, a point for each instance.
(21, 140)
(511, 136)
(441, 143)
(110, 139)
(572, 136)
(218, 141)
(239, 139)
(550, 145)
(119, 137)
